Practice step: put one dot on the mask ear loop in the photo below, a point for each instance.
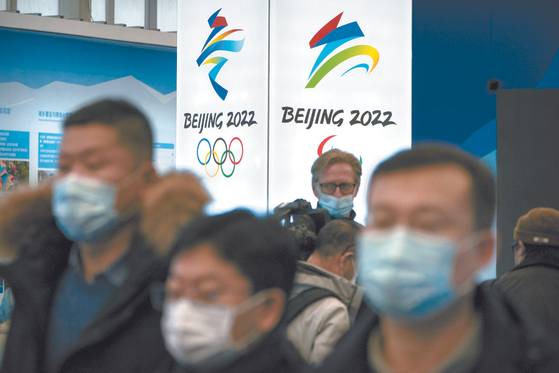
(470, 242)
(351, 248)
(131, 212)
(252, 302)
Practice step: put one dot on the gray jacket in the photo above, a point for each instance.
(316, 330)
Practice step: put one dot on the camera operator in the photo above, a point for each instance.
(336, 176)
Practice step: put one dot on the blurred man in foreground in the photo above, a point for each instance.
(81, 266)
(225, 297)
(428, 234)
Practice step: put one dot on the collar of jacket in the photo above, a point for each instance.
(27, 225)
(116, 274)
(312, 275)
(273, 353)
(538, 261)
(511, 342)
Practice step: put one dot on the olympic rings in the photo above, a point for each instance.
(214, 154)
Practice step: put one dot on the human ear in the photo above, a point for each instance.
(272, 309)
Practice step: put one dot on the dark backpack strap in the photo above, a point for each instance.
(299, 302)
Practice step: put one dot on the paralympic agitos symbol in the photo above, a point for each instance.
(322, 144)
(216, 43)
(333, 36)
(219, 156)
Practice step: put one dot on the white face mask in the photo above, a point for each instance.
(195, 332)
(84, 208)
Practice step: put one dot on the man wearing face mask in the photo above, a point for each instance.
(82, 304)
(225, 297)
(325, 300)
(336, 176)
(428, 233)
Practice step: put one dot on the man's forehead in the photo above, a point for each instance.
(206, 253)
(422, 187)
(89, 138)
(338, 168)
(202, 262)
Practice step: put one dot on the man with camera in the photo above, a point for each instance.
(336, 176)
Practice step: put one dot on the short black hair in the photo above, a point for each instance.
(541, 252)
(132, 126)
(431, 154)
(260, 248)
(337, 236)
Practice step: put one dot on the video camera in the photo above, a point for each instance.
(303, 221)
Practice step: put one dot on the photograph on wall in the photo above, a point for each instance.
(13, 174)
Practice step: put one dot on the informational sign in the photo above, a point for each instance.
(222, 94)
(48, 149)
(49, 145)
(34, 105)
(14, 159)
(14, 145)
(340, 78)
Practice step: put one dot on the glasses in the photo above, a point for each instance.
(330, 188)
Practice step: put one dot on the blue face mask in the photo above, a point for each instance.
(406, 275)
(337, 207)
(84, 208)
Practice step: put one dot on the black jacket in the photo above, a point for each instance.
(510, 342)
(124, 337)
(273, 354)
(534, 285)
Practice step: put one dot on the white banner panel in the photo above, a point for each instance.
(222, 94)
(340, 76)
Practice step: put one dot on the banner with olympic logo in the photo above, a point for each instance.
(265, 86)
(220, 157)
(222, 95)
(340, 78)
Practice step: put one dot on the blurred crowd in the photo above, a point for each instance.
(110, 267)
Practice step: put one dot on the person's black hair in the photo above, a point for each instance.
(336, 237)
(432, 154)
(260, 248)
(132, 126)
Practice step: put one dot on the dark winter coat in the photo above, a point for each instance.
(534, 285)
(125, 336)
(511, 342)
